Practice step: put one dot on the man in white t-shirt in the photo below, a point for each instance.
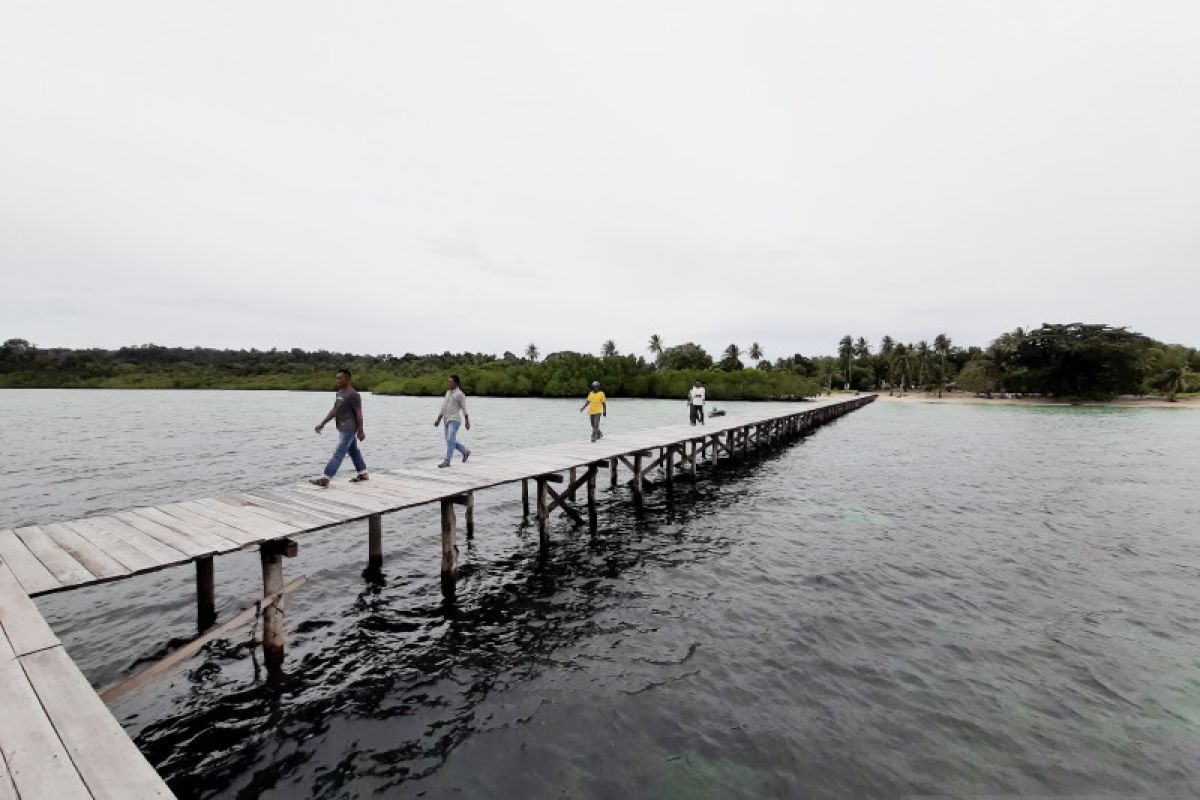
(696, 403)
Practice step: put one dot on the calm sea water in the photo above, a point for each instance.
(915, 600)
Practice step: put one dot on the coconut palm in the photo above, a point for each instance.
(862, 349)
(608, 349)
(531, 352)
(845, 353)
(923, 351)
(1172, 380)
(901, 368)
(884, 369)
(755, 352)
(656, 345)
(941, 346)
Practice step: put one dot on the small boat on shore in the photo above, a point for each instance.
(716, 412)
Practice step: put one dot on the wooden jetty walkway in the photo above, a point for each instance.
(57, 739)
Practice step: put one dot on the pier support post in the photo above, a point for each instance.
(543, 513)
(637, 478)
(271, 554)
(591, 497)
(612, 473)
(571, 484)
(374, 543)
(449, 546)
(525, 498)
(670, 464)
(470, 515)
(206, 604)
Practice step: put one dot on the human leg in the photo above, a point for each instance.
(360, 464)
(345, 439)
(451, 440)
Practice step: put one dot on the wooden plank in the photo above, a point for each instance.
(186, 519)
(7, 790)
(162, 554)
(164, 527)
(109, 763)
(358, 504)
(37, 761)
(345, 513)
(255, 525)
(119, 550)
(7, 653)
(98, 562)
(31, 573)
(23, 624)
(293, 514)
(61, 564)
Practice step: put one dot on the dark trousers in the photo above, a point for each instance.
(697, 414)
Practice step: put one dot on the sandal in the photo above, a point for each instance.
(360, 478)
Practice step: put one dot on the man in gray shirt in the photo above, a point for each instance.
(454, 405)
(347, 409)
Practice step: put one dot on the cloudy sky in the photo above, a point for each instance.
(401, 176)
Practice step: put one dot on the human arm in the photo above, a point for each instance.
(332, 413)
(358, 418)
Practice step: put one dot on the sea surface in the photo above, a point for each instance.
(915, 600)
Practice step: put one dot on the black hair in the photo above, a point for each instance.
(457, 382)
(346, 372)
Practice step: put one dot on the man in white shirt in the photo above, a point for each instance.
(696, 403)
(454, 405)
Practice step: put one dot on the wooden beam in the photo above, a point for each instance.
(560, 502)
(191, 648)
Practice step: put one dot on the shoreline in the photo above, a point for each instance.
(961, 398)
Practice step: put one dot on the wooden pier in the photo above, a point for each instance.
(58, 740)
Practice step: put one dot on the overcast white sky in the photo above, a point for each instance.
(401, 176)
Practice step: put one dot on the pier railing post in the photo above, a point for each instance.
(206, 605)
(374, 542)
(449, 546)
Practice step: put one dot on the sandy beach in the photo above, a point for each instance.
(997, 400)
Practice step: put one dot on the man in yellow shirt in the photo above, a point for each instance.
(597, 406)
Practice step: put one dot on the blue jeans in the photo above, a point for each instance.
(347, 443)
(452, 442)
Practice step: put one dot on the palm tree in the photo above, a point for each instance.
(1172, 380)
(923, 352)
(608, 349)
(656, 346)
(941, 346)
(756, 352)
(846, 352)
(901, 366)
(886, 345)
(862, 349)
(531, 352)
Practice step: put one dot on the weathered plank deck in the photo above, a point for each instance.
(58, 740)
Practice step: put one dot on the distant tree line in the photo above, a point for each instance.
(1070, 361)
(1074, 361)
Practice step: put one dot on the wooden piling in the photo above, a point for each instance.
(271, 554)
(612, 472)
(543, 512)
(525, 498)
(637, 478)
(206, 605)
(470, 515)
(670, 465)
(375, 542)
(591, 497)
(449, 546)
(571, 484)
